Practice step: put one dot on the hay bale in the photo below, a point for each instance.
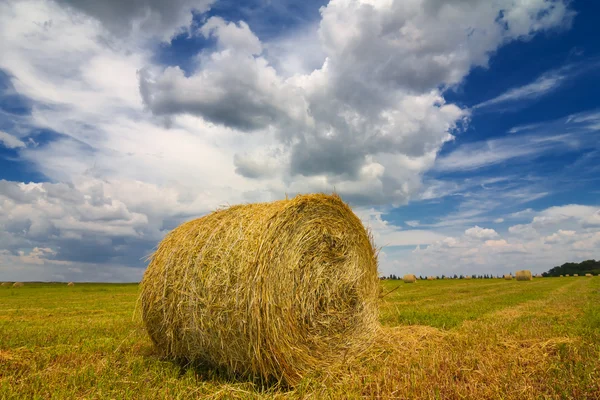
(18, 284)
(523, 275)
(567, 275)
(409, 278)
(270, 290)
(575, 274)
(508, 277)
(589, 275)
(562, 276)
(431, 278)
(539, 276)
(468, 277)
(5, 284)
(70, 284)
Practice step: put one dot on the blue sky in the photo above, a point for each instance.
(464, 134)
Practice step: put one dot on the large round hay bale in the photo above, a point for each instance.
(508, 277)
(5, 284)
(431, 278)
(562, 276)
(271, 290)
(18, 284)
(70, 284)
(468, 277)
(575, 274)
(589, 275)
(409, 278)
(523, 275)
(567, 275)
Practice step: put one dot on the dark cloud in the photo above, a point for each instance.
(153, 17)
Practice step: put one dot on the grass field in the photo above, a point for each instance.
(445, 339)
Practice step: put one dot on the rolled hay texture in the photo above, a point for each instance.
(575, 274)
(523, 275)
(589, 275)
(269, 290)
(508, 277)
(70, 284)
(409, 278)
(18, 284)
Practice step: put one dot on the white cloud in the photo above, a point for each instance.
(575, 132)
(412, 224)
(477, 232)
(10, 142)
(367, 121)
(543, 85)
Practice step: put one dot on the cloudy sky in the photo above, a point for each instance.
(465, 133)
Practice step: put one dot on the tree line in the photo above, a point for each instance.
(584, 267)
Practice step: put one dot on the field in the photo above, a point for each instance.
(445, 339)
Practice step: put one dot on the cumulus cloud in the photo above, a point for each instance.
(530, 246)
(477, 232)
(376, 96)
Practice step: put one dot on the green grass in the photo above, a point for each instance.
(441, 339)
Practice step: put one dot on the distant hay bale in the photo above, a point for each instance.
(70, 284)
(523, 275)
(567, 275)
(575, 274)
(539, 276)
(562, 276)
(589, 275)
(468, 277)
(271, 290)
(508, 277)
(431, 278)
(5, 284)
(409, 278)
(18, 284)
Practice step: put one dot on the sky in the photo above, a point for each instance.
(464, 133)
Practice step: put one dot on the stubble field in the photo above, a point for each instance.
(445, 339)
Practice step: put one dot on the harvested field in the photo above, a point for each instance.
(483, 338)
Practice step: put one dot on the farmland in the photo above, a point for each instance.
(446, 339)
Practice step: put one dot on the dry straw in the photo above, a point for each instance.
(523, 275)
(589, 275)
(562, 276)
(271, 290)
(508, 277)
(575, 274)
(431, 278)
(5, 284)
(18, 284)
(567, 275)
(409, 278)
(70, 284)
(468, 277)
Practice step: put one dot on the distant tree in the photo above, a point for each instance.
(584, 267)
